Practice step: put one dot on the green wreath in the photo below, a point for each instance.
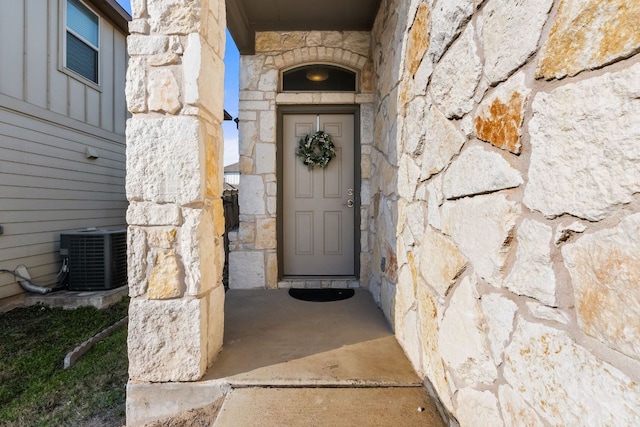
(316, 149)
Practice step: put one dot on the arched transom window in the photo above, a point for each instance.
(319, 78)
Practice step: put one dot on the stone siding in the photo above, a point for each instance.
(253, 261)
(504, 189)
(174, 183)
(500, 216)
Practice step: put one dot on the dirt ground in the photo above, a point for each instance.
(201, 417)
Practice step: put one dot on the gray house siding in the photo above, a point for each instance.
(49, 117)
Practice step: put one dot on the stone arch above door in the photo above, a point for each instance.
(349, 49)
(336, 56)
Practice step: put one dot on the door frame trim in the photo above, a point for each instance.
(283, 110)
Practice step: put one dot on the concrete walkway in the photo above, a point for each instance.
(298, 363)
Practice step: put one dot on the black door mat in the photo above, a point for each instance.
(321, 295)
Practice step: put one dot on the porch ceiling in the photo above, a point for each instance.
(245, 17)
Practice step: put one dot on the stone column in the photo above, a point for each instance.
(174, 183)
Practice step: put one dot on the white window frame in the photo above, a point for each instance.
(65, 30)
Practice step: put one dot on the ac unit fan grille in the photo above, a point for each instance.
(86, 260)
(119, 259)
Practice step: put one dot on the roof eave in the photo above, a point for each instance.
(116, 14)
(243, 35)
(243, 31)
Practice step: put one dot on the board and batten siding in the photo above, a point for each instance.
(48, 119)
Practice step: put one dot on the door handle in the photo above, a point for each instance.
(350, 203)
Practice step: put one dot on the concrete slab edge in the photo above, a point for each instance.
(76, 299)
(148, 402)
(294, 383)
(74, 355)
(9, 303)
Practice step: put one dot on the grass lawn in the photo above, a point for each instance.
(36, 391)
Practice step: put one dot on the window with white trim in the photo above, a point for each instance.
(82, 41)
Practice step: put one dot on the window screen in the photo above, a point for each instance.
(82, 40)
(319, 78)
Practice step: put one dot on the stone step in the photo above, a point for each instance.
(318, 407)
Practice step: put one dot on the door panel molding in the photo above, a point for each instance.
(333, 181)
(304, 222)
(332, 221)
(304, 182)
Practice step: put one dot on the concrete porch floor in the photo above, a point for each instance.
(297, 363)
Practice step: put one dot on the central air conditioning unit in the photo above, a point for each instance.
(97, 259)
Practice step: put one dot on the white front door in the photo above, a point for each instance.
(319, 204)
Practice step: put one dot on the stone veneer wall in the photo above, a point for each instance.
(174, 183)
(505, 173)
(253, 259)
